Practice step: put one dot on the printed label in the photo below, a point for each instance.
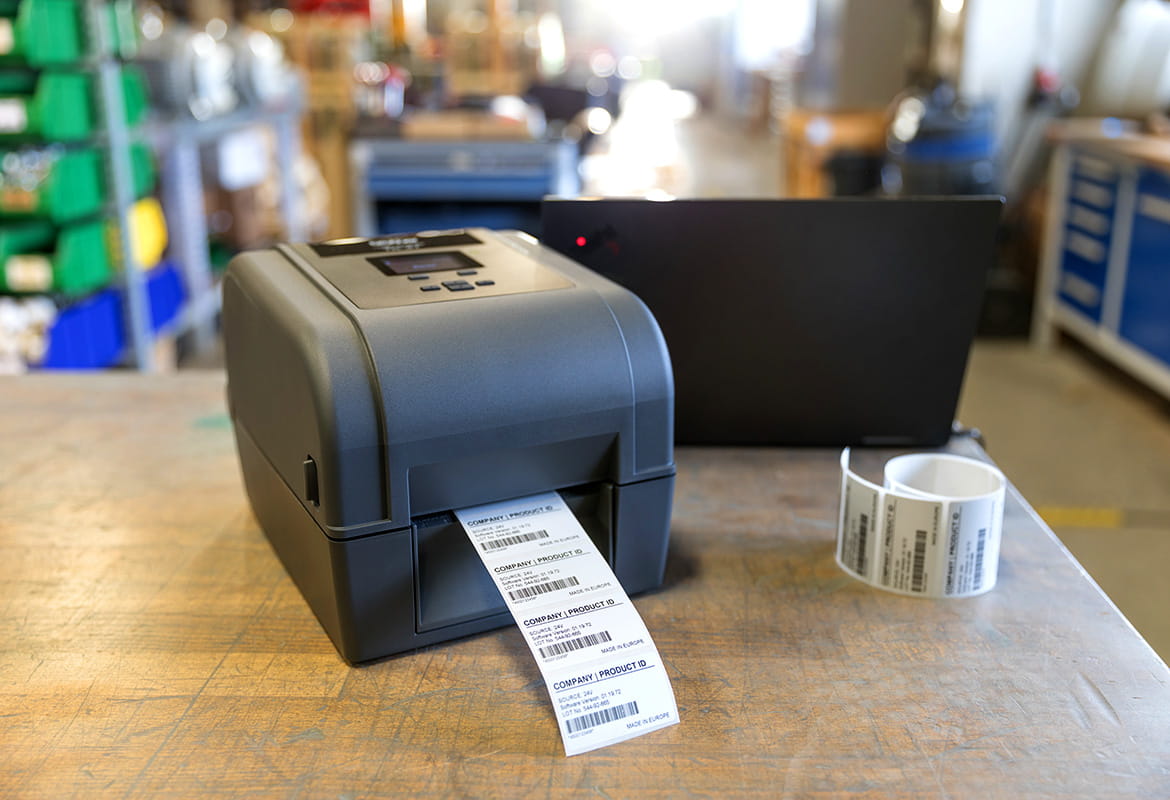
(604, 675)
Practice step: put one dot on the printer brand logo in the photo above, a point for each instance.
(398, 243)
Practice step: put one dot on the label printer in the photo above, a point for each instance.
(375, 385)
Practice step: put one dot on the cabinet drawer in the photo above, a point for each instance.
(1088, 232)
(1145, 311)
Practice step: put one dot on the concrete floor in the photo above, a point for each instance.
(1090, 450)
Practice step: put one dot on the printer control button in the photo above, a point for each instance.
(418, 277)
(466, 272)
(458, 286)
(485, 283)
(430, 287)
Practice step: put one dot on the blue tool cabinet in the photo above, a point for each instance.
(1105, 278)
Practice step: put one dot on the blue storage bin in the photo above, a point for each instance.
(164, 286)
(87, 334)
(90, 334)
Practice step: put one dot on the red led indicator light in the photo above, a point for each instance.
(581, 241)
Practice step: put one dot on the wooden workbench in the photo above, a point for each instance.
(152, 645)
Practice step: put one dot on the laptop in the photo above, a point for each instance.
(843, 321)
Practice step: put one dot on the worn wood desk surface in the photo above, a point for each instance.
(152, 645)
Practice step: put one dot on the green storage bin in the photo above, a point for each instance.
(41, 33)
(142, 167)
(51, 33)
(37, 257)
(61, 185)
(50, 105)
(123, 28)
(60, 106)
(134, 94)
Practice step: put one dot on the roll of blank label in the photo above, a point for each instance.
(932, 530)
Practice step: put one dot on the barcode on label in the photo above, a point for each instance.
(520, 538)
(980, 546)
(542, 588)
(918, 575)
(862, 539)
(575, 644)
(601, 717)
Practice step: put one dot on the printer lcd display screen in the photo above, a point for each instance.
(415, 263)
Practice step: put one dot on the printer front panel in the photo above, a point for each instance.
(397, 590)
(500, 398)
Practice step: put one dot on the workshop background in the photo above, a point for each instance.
(145, 143)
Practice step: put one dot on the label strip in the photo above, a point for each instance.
(604, 675)
(932, 530)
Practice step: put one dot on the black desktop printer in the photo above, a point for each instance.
(375, 385)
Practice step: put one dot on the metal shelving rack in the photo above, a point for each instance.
(176, 142)
(112, 114)
(179, 142)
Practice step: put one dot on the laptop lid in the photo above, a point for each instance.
(799, 322)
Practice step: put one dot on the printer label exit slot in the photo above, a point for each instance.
(451, 582)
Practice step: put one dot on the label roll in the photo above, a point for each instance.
(932, 530)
